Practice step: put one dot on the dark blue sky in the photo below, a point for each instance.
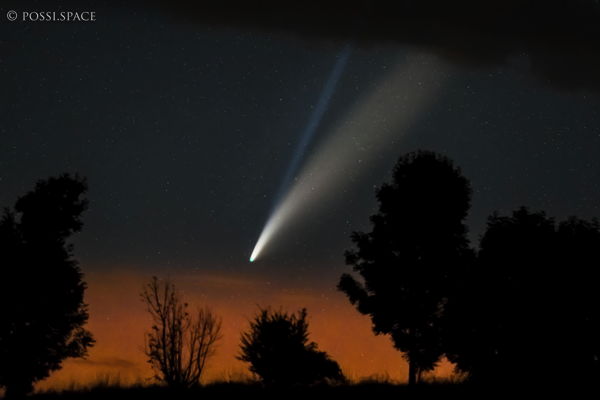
(184, 131)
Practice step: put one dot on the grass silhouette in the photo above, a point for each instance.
(110, 388)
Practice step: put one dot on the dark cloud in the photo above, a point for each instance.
(561, 38)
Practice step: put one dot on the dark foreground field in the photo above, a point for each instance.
(252, 391)
(244, 390)
(361, 391)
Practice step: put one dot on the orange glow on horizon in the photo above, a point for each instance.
(118, 320)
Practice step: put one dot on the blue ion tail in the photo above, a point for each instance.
(305, 139)
(314, 121)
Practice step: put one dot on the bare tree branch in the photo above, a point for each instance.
(179, 344)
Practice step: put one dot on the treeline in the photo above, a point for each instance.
(43, 313)
(523, 307)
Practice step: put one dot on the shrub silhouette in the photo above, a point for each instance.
(410, 258)
(279, 352)
(42, 312)
(179, 344)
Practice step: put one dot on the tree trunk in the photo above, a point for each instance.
(412, 372)
(412, 364)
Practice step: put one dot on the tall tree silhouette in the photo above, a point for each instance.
(278, 350)
(529, 309)
(407, 262)
(579, 299)
(42, 312)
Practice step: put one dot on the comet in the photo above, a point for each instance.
(355, 142)
(307, 135)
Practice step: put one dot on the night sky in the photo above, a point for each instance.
(185, 129)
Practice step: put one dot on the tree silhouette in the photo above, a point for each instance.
(409, 259)
(279, 352)
(498, 320)
(529, 309)
(179, 344)
(579, 302)
(42, 312)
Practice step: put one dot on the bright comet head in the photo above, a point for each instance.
(272, 225)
